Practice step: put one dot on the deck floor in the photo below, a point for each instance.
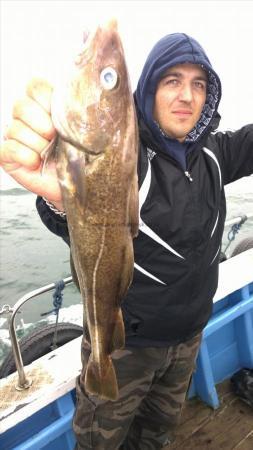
(229, 427)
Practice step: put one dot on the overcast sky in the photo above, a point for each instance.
(37, 37)
(40, 37)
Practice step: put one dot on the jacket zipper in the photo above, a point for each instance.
(186, 172)
(188, 175)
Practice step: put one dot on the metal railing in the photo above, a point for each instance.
(23, 381)
(238, 219)
(235, 225)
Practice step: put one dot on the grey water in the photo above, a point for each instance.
(31, 257)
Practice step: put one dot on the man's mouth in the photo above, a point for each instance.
(182, 112)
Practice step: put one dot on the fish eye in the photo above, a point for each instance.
(108, 78)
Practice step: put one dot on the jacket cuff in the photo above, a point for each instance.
(54, 222)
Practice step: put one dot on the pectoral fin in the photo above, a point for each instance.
(75, 173)
(48, 155)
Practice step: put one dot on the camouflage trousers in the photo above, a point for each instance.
(152, 387)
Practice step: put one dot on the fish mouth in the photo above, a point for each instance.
(79, 146)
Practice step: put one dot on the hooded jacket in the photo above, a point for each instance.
(182, 207)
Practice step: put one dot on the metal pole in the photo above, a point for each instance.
(238, 219)
(23, 381)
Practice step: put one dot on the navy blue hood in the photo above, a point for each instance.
(173, 49)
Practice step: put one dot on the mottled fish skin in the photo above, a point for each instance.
(96, 157)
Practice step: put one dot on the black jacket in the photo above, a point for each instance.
(181, 225)
(182, 206)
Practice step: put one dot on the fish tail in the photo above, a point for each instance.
(101, 381)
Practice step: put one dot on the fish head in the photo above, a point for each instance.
(91, 109)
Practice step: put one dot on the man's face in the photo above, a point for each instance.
(179, 99)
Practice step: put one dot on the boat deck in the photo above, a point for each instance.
(228, 427)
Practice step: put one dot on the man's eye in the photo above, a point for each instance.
(200, 85)
(172, 82)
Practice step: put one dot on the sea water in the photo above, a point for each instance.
(31, 257)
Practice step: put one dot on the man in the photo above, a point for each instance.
(183, 166)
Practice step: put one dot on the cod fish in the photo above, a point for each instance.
(96, 160)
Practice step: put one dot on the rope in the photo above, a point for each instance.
(57, 298)
(57, 302)
(235, 228)
(58, 295)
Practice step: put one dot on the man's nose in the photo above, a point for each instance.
(185, 93)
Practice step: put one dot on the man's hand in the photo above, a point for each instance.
(26, 139)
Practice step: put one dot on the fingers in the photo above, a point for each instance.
(20, 132)
(34, 116)
(40, 90)
(28, 136)
(32, 124)
(13, 154)
(24, 166)
(46, 185)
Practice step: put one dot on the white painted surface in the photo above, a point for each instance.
(61, 366)
(235, 273)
